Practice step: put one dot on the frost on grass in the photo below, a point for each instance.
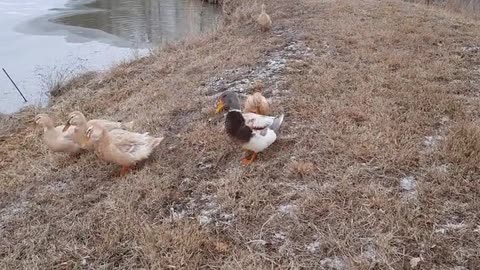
(432, 141)
(451, 227)
(270, 71)
(334, 263)
(288, 209)
(10, 212)
(205, 210)
(212, 213)
(313, 247)
(408, 185)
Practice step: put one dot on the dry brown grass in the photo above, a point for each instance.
(379, 168)
(470, 8)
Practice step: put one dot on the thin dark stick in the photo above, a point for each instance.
(14, 84)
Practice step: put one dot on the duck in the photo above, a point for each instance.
(254, 132)
(256, 103)
(122, 147)
(57, 139)
(264, 20)
(77, 119)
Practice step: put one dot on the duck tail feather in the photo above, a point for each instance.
(277, 123)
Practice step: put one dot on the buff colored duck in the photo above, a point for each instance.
(122, 147)
(256, 103)
(254, 132)
(264, 20)
(78, 120)
(55, 138)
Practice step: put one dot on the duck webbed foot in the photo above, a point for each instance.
(247, 161)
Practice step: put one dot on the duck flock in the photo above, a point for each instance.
(253, 129)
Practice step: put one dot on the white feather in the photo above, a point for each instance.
(261, 140)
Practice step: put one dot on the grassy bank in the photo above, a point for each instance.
(377, 167)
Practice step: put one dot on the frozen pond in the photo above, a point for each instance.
(41, 38)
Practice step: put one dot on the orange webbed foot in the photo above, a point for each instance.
(124, 170)
(247, 161)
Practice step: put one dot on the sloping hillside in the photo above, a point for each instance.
(377, 167)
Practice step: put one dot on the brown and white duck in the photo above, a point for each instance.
(253, 131)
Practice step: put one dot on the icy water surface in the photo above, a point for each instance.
(41, 39)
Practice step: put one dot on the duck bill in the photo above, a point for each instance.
(220, 106)
(67, 125)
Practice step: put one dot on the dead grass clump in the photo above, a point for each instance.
(60, 80)
(14, 123)
(353, 114)
(302, 167)
(462, 146)
(470, 7)
(237, 13)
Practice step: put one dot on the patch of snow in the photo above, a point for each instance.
(210, 208)
(445, 119)
(258, 242)
(432, 141)
(450, 227)
(334, 263)
(313, 247)
(453, 226)
(368, 251)
(408, 183)
(270, 72)
(226, 219)
(471, 49)
(56, 186)
(280, 235)
(176, 216)
(442, 168)
(7, 213)
(204, 220)
(414, 262)
(206, 216)
(287, 209)
(17, 208)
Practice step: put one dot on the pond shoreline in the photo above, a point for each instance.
(86, 35)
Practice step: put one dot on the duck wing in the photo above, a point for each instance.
(260, 140)
(108, 125)
(258, 121)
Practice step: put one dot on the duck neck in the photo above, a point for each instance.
(235, 126)
(104, 138)
(82, 126)
(48, 127)
(233, 122)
